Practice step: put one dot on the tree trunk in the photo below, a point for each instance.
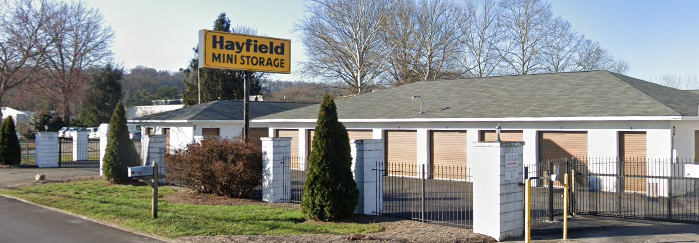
(66, 112)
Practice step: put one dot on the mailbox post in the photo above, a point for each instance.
(148, 173)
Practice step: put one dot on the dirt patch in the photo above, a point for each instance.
(396, 230)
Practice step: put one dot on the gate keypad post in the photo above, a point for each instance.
(498, 196)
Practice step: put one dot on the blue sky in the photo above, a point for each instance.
(654, 37)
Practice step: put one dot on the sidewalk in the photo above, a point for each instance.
(9, 177)
(607, 229)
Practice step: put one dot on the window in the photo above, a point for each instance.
(210, 132)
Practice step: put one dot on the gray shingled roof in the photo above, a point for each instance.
(223, 110)
(579, 94)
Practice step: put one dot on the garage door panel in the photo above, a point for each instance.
(632, 151)
(256, 134)
(353, 135)
(505, 136)
(449, 154)
(294, 135)
(401, 148)
(557, 145)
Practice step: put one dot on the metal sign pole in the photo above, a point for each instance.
(246, 104)
(198, 86)
(154, 204)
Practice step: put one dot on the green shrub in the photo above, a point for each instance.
(225, 167)
(10, 151)
(121, 152)
(330, 192)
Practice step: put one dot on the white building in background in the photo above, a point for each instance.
(20, 117)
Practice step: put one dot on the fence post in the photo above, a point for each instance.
(498, 203)
(620, 181)
(366, 165)
(47, 151)
(669, 197)
(80, 146)
(422, 198)
(550, 172)
(276, 185)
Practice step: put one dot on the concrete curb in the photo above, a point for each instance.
(91, 219)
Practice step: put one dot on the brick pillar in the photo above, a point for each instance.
(153, 149)
(80, 146)
(103, 148)
(367, 162)
(47, 149)
(498, 203)
(276, 181)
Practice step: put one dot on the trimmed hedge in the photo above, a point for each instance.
(225, 167)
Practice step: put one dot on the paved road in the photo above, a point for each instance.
(597, 229)
(10, 177)
(22, 222)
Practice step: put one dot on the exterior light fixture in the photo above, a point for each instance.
(673, 130)
(497, 131)
(417, 97)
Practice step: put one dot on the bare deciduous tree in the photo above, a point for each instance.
(24, 37)
(481, 33)
(83, 41)
(690, 82)
(437, 36)
(343, 42)
(593, 57)
(526, 22)
(562, 45)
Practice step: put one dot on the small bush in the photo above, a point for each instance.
(10, 151)
(225, 167)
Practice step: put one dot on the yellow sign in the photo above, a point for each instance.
(223, 50)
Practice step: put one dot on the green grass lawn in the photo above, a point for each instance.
(129, 206)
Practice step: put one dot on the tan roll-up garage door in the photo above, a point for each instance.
(401, 152)
(558, 145)
(353, 135)
(294, 135)
(632, 151)
(256, 134)
(696, 146)
(505, 136)
(448, 155)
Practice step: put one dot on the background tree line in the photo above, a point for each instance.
(364, 43)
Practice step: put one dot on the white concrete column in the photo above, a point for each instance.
(367, 162)
(153, 149)
(276, 182)
(423, 152)
(497, 196)
(47, 149)
(80, 146)
(304, 137)
(104, 138)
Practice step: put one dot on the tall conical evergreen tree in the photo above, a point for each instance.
(10, 151)
(104, 93)
(121, 152)
(330, 192)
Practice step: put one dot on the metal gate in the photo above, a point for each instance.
(413, 195)
(66, 159)
(547, 192)
(636, 188)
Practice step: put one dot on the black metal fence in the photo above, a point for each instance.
(28, 151)
(66, 159)
(296, 170)
(547, 191)
(442, 196)
(637, 188)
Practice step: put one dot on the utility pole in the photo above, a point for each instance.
(246, 106)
